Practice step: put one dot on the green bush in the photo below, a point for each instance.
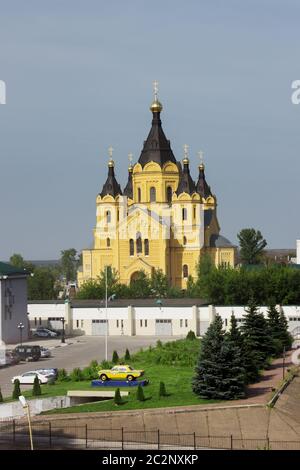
(62, 375)
(127, 355)
(115, 357)
(1, 397)
(191, 335)
(105, 365)
(140, 394)
(16, 391)
(36, 391)
(77, 375)
(159, 344)
(89, 373)
(118, 399)
(162, 390)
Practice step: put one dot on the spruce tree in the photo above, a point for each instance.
(36, 391)
(115, 357)
(286, 337)
(219, 373)
(248, 359)
(118, 399)
(140, 394)
(257, 343)
(16, 391)
(162, 390)
(1, 397)
(127, 355)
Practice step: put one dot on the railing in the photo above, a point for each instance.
(15, 435)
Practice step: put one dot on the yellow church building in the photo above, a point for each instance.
(162, 219)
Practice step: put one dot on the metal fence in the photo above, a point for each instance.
(46, 435)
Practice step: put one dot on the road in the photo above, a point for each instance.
(77, 352)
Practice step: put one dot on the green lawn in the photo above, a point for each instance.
(173, 363)
(177, 380)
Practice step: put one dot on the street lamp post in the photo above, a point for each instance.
(106, 325)
(21, 326)
(63, 330)
(283, 363)
(26, 407)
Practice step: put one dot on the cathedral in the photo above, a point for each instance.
(162, 219)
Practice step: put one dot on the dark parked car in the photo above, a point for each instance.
(28, 352)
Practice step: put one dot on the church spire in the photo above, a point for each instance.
(202, 187)
(111, 186)
(156, 147)
(186, 183)
(128, 191)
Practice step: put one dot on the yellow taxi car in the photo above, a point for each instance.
(120, 372)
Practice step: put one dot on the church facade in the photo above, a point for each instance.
(162, 219)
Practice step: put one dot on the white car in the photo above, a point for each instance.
(28, 377)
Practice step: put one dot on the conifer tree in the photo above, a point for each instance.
(162, 390)
(16, 391)
(115, 357)
(256, 340)
(36, 391)
(248, 359)
(219, 373)
(140, 394)
(127, 355)
(286, 337)
(118, 399)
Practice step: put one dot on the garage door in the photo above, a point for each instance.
(163, 327)
(99, 327)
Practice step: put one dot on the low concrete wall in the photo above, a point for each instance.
(14, 409)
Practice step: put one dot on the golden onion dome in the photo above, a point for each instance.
(201, 166)
(111, 164)
(185, 161)
(156, 107)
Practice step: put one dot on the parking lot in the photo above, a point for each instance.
(76, 352)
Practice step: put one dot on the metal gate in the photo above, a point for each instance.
(163, 327)
(55, 323)
(99, 327)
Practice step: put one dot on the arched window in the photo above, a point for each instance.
(139, 247)
(184, 240)
(184, 213)
(185, 271)
(108, 242)
(139, 195)
(146, 247)
(152, 194)
(169, 194)
(108, 217)
(131, 247)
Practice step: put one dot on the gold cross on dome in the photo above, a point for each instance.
(201, 153)
(186, 151)
(130, 157)
(155, 89)
(110, 152)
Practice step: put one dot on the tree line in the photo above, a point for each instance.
(229, 361)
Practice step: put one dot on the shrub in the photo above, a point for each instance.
(89, 373)
(16, 391)
(105, 365)
(191, 335)
(62, 375)
(140, 394)
(162, 390)
(115, 357)
(36, 391)
(77, 375)
(118, 399)
(159, 344)
(1, 397)
(127, 355)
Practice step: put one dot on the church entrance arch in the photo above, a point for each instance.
(134, 276)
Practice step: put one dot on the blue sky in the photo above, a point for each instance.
(79, 78)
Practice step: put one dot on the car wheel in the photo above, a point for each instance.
(103, 377)
(130, 378)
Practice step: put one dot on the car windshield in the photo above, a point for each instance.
(130, 368)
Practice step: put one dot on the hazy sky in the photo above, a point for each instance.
(79, 78)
